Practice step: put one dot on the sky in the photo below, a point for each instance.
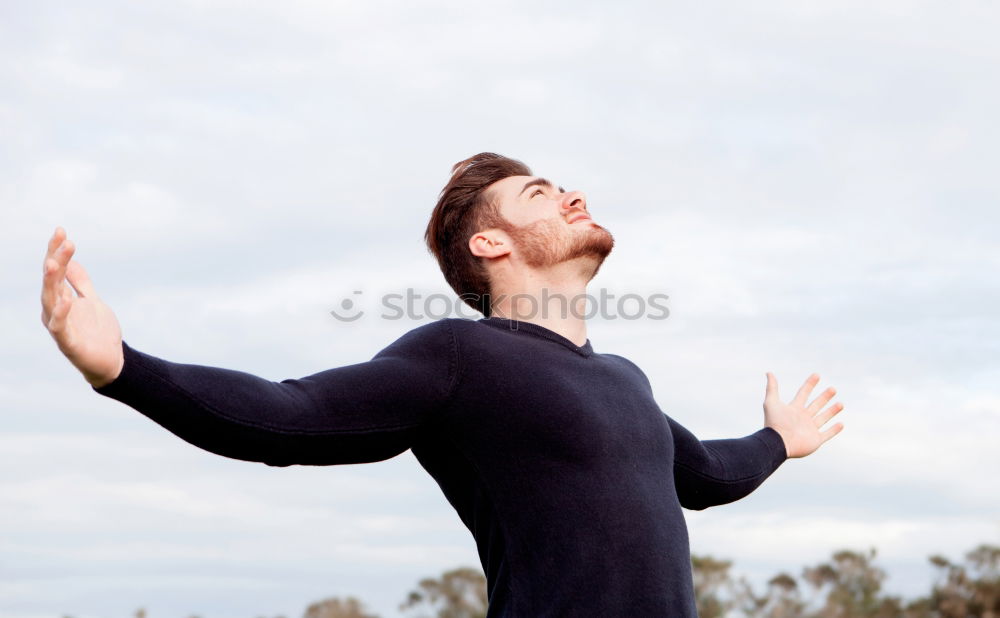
(811, 184)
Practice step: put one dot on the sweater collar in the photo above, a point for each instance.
(538, 331)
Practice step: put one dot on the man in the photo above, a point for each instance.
(555, 456)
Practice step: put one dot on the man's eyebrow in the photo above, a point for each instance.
(536, 182)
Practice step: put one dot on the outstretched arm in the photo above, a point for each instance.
(713, 472)
(357, 413)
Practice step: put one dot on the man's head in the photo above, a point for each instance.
(493, 209)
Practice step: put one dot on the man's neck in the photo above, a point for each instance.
(554, 299)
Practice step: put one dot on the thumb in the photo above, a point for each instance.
(771, 393)
(79, 279)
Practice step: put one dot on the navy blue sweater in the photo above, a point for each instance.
(556, 457)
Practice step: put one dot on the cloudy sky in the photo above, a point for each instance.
(811, 184)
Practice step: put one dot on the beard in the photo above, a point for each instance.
(549, 242)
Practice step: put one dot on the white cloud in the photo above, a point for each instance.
(810, 183)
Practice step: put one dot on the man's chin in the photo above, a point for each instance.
(600, 241)
(595, 250)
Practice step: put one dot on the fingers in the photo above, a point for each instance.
(54, 270)
(51, 282)
(57, 321)
(822, 419)
(59, 257)
(57, 237)
(805, 389)
(822, 400)
(79, 279)
(829, 433)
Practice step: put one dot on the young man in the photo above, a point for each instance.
(555, 456)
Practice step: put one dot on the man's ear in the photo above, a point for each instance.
(490, 243)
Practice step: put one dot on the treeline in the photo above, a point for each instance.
(848, 585)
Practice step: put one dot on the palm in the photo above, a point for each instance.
(800, 424)
(85, 329)
(93, 335)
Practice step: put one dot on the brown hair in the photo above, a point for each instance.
(464, 208)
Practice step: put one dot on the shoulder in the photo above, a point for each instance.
(433, 337)
(629, 365)
(424, 355)
(617, 358)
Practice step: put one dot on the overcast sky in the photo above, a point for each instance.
(813, 185)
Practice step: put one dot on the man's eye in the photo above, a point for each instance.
(537, 192)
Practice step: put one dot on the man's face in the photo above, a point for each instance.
(549, 225)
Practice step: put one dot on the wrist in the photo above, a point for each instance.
(103, 379)
(784, 439)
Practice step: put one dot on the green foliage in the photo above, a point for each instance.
(781, 599)
(713, 587)
(852, 584)
(849, 585)
(460, 593)
(337, 608)
(966, 590)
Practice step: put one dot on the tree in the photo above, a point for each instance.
(852, 584)
(782, 599)
(965, 590)
(713, 587)
(337, 608)
(459, 593)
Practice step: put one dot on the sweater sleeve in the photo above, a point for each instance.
(358, 413)
(712, 472)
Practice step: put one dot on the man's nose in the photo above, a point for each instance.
(574, 200)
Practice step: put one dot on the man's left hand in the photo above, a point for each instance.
(797, 423)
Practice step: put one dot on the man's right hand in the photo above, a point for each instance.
(84, 328)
